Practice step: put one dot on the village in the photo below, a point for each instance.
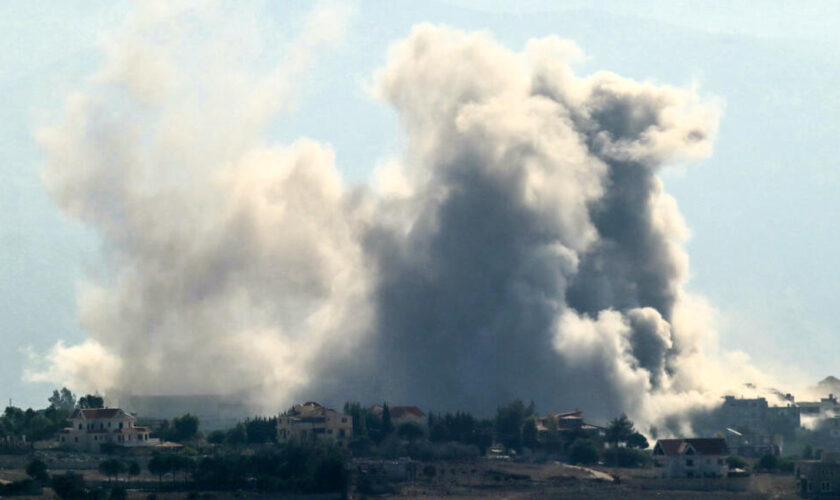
(746, 447)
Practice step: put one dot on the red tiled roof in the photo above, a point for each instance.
(703, 446)
(405, 411)
(90, 413)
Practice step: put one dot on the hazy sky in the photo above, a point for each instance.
(762, 209)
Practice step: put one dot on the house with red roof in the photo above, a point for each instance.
(402, 414)
(692, 457)
(90, 428)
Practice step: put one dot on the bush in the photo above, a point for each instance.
(625, 457)
(583, 451)
(69, 485)
(767, 462)
(118, 493)
(22, 487)
(736, 462)
(37, 470)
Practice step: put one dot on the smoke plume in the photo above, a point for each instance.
(522, 247)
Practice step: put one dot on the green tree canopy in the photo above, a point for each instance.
(70, 485)
(620, 430)
(637, 440)
(183, 428)
(412, 431)
(37, 470)
(91, 401)
(63, 400)
(583, 451)
(112, 468)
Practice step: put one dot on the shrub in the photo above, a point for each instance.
(625, 457)
(37, 470)
(583, 451)
(22, 487)
(736, 462)
(69, 485)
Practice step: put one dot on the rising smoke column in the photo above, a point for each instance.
(537, 256)
(523, 247)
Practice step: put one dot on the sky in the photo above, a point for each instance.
(761, 209)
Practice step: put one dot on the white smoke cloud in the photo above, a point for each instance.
(522, 248)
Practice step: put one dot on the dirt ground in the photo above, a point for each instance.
(482, 479)
(513, 481)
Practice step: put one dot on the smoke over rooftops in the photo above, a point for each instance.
(523, 247)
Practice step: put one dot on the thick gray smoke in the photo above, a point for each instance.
(523, 247)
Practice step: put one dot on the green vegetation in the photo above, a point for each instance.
(37, 470)
(583, 451)
(293, 467)
(69, 485)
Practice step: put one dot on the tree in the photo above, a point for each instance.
(529, 433)
(112, 468)
(620, 430)
(412, 431)
(509, 421)
(91, 401)
(237, 435)
(736, 462)
(37, 470)
(133, 469)
(387, 425)
(767, 462)
(637, 440)
(158, 466)
(69, 485)
(64, 400)
(216, 437)
(583, 451)
(183, 428)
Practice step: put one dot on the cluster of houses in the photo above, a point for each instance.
(752, 426)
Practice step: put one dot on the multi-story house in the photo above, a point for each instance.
(93, 427)
(311, 421)
(819, 479)
(695, 457)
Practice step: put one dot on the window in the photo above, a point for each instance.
(341, 432)
(720, 461)
(825, 486)
(121, 425)
(80, 426)
(689, 462)
(344, 420)
(77, 439)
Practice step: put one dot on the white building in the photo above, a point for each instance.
(311, 421)
(93, 427)
(697, 457)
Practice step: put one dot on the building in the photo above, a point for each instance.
(311, 421)
(90, 428)
(819, 479)
(695, 457)
(824, 408)
(568, 422)
(761, 423)
(402, 414)
(744, 414)
(751, 444)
